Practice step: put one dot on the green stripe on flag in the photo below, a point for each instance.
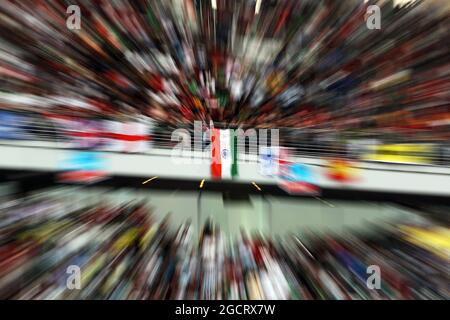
(234, 169)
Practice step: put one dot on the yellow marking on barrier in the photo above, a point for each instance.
(256, 186)
(149, 180)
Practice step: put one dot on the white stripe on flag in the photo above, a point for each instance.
(225, 153)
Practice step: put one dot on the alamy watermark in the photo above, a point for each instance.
(73, 281)
(186, 152)
(73, 21)
(373, 17)
(374, 279)
(373, 282)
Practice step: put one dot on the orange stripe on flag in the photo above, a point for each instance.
(216, 166)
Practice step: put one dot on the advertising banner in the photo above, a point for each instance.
(342, 171)
(413, 153)
(297, 178)
(83, 167)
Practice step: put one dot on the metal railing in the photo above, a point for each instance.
(300, 142)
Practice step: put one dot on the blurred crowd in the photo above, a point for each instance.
(124, 252)
(270, 63)
(136, 70)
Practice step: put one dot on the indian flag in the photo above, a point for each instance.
(223, 154)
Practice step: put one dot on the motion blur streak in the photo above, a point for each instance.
(311, 64)
(124, 253)
(137, 70)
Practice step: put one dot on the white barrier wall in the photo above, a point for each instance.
(415, 179)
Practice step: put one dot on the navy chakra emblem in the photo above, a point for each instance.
(224, 153)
